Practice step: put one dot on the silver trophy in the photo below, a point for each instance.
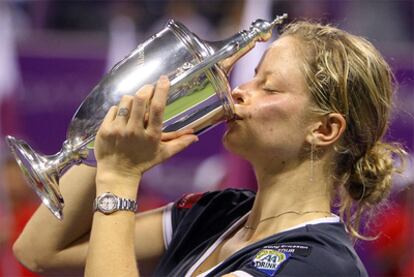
(199, 97)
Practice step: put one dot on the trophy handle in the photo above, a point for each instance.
(260, 30)
(40, 172)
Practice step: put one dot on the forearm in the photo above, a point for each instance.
(46, 242)
(111, 247)
(128, 143)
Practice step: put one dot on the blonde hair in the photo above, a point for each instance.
(345, 74)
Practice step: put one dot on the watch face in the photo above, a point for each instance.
(107, 203)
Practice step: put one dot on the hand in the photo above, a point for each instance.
(130, 140)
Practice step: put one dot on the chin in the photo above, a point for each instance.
(234, 144)
(228, 141)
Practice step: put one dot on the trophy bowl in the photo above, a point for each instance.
(199, 98)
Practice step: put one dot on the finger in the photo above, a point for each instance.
(157, 105)
(175, 146)
(124, 110)
(176, 134)
(110, 116)
(107, 121)
(139, 107)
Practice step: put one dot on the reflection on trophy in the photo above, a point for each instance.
(199, 97)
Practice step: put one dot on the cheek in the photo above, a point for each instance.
(285, 116)
(274, 111)
(269, 123)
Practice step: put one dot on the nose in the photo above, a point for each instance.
(239, 95)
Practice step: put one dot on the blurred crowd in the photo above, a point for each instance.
(53, 52)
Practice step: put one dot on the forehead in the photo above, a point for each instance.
(283, 60)
(285, 49)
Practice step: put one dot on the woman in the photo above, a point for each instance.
(311, 123)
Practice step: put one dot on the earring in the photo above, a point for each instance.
(312, 162)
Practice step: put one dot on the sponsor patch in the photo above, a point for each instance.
(293, 249)
(269, 260)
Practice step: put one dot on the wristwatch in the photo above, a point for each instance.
(108, 203)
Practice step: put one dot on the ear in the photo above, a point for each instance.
(327, 130)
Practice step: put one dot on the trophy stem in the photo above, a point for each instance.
(42, 172)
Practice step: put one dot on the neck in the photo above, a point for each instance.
(294, 193)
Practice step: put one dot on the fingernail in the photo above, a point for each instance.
(192, 139)
(163, 78)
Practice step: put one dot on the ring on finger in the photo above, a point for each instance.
(123, 112)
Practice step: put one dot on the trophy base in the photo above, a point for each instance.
(39, 174)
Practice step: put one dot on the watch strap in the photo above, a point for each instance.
(127, 204)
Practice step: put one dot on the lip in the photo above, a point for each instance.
(235, 118)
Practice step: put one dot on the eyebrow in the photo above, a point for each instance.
(277, 74)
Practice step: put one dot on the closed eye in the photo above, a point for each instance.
(270, 90)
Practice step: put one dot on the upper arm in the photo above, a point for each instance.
(149, 241)
(149, 246)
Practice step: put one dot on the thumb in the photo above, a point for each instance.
(172, 147)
